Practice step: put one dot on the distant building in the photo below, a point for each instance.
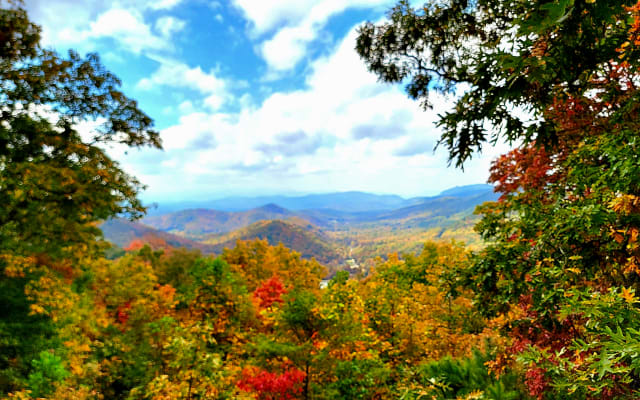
(352, 264)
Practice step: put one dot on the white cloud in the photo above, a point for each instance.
(125, 26)
(122, 21)
(267, 15)
(190, 129)
(175, 74)
(179, 75)
(298, 23)
(308, 140)
(285, 50)
(167, 26)
(162, 4)
(214, 101)
(186, 107)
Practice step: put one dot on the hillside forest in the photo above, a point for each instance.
(337, 235)
(544, 307)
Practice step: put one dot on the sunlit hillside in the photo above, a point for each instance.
(331, 236)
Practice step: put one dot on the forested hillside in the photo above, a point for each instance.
(545, 307)
(331, 236)
(306, 240)
(195, 223)
(123, 233)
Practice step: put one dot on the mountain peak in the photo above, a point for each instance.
(273, 208)
(467, 190)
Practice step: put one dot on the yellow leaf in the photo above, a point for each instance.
(37, 309)
(627, 295)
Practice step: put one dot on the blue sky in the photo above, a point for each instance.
(259, 97)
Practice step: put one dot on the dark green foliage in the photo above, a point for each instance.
(453, 379)
(340, 278)
(509, 54)
(178, 268)
(358, 379)
(298, 314)
(22, 336)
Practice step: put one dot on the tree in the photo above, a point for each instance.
(56, 184)
(507, 54)
(257, 261)
(562, 260)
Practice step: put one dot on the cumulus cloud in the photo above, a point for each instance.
(343, 127)
(192, 132)
(378, 129)
(175, 74)
(266, 15)
(123, 22)
(125, 26)
(285, 50)
(295, 144)
(167, 26)
(415, 146)
(371, 131)
(297, 23)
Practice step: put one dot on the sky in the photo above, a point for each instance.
(259, 97)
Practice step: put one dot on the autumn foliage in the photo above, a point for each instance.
(269, 292)
(547, 308)
(271, 386)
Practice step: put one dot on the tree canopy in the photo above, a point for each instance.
(513, 59)
(56, 184)
(55, 181)
(559, 79)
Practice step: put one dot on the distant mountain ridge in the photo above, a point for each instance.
(416, 212)
(444, 206)
(462, 191)
(198, 222)
(325, 233)
(342, 201)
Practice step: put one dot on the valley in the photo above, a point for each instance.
(338, 230)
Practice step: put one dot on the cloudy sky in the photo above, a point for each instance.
(259, 97)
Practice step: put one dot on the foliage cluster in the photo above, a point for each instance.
(559, 80)
(254, 323)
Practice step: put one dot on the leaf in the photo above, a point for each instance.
(628, 295)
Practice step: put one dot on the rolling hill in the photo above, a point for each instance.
(195, 223)
(435, 211)
(331, 233)
(122, 233)
(306, 240)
